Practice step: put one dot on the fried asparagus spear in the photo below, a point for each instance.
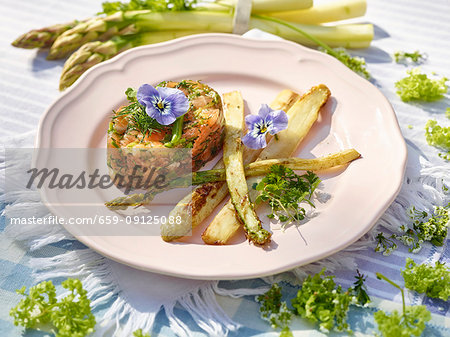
(301, 118)
(257, 168)
(198, 205)
(262, 167)
(233, 106)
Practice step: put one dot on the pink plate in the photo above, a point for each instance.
(357, 116)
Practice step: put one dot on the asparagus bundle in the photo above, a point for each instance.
(95, 52)
(141, 22)
(44, 37)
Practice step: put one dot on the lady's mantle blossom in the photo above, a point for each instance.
(165, 105)
(267, 120)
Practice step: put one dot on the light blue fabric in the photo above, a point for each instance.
(29, 83)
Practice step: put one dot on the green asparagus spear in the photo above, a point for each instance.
(123, 23)
(44, 37)
(257, 168)
(95, 52)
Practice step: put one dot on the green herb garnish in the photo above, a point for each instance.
(153, 5)
(418, 86)
(320, 300)
(274, 310)
(70, 316)
(385, 245)
(359, 289)
(284, 190)
(431, 227)
(355, 63)
(439, 136)
(426, 226)
(424, 278)
(402, 56)
(139, 333)
(410, 322)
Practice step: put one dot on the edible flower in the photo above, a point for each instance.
(165, 105)
(267, 120)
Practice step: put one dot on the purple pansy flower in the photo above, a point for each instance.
(163, 104)
(267, 120)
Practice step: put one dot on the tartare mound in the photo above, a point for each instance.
(203, 125)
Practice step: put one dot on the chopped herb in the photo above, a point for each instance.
(320, 300)
(425, 227)
(418, 86)
(355, 63)
(113, 142)
(153, 5)
(447, 113)
(273, 310)
(424, 278)
(431, 227)
(410, 322)
(284, 190)
(139, 333)
(416, 56)
(188, 85)
(438, 136)
(71, 316)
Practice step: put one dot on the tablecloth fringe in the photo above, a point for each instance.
(423, 190)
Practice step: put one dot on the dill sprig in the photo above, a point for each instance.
(137, 116)
(359, 289)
